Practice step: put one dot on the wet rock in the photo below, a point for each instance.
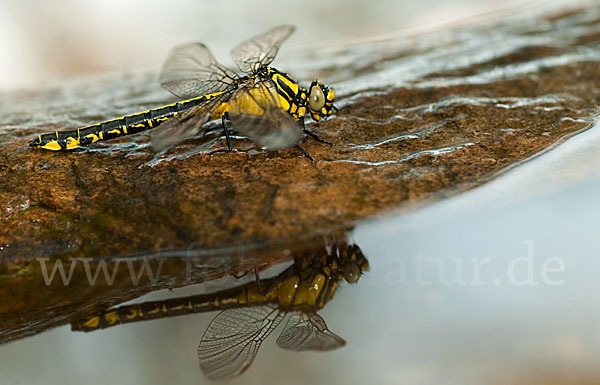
(392, 147)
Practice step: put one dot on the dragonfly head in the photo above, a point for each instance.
(353, 264)
(320, 100)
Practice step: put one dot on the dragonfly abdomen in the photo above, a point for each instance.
(114, 128)
(238, 297)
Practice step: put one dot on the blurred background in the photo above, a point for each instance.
(44, 42)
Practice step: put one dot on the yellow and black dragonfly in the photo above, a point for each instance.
(266, 105)
(250, 312)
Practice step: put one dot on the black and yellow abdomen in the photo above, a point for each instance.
(114, 128)
(289, 294)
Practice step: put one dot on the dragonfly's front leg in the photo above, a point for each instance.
(312, 135)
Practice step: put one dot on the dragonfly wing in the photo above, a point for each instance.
(308, 331)
(233, 338)
(255, 111)
(186, 124)
(191, 71)
(260, 50)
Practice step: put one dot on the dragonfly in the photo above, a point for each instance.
(264, 104)
(250, 312)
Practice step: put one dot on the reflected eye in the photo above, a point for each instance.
(317, 98)
(351, 272)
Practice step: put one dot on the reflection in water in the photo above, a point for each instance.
(253, 310)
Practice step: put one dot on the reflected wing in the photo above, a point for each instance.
(232, 339)
(255, 111)
(308, 331)
(191, 70)
(185, 124)
(260, 50)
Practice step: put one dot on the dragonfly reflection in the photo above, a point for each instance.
(250, 312)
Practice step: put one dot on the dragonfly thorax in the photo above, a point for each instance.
(317, 100)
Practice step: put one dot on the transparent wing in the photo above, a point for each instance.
(186, 124)
(191, 71)
(233, 338)
(260, 50)
(255, 111)
(308, 331)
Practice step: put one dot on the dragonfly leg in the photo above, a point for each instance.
(315, 137)
(303, 151)
(257, 278)
(262, 289)
(224, 119)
